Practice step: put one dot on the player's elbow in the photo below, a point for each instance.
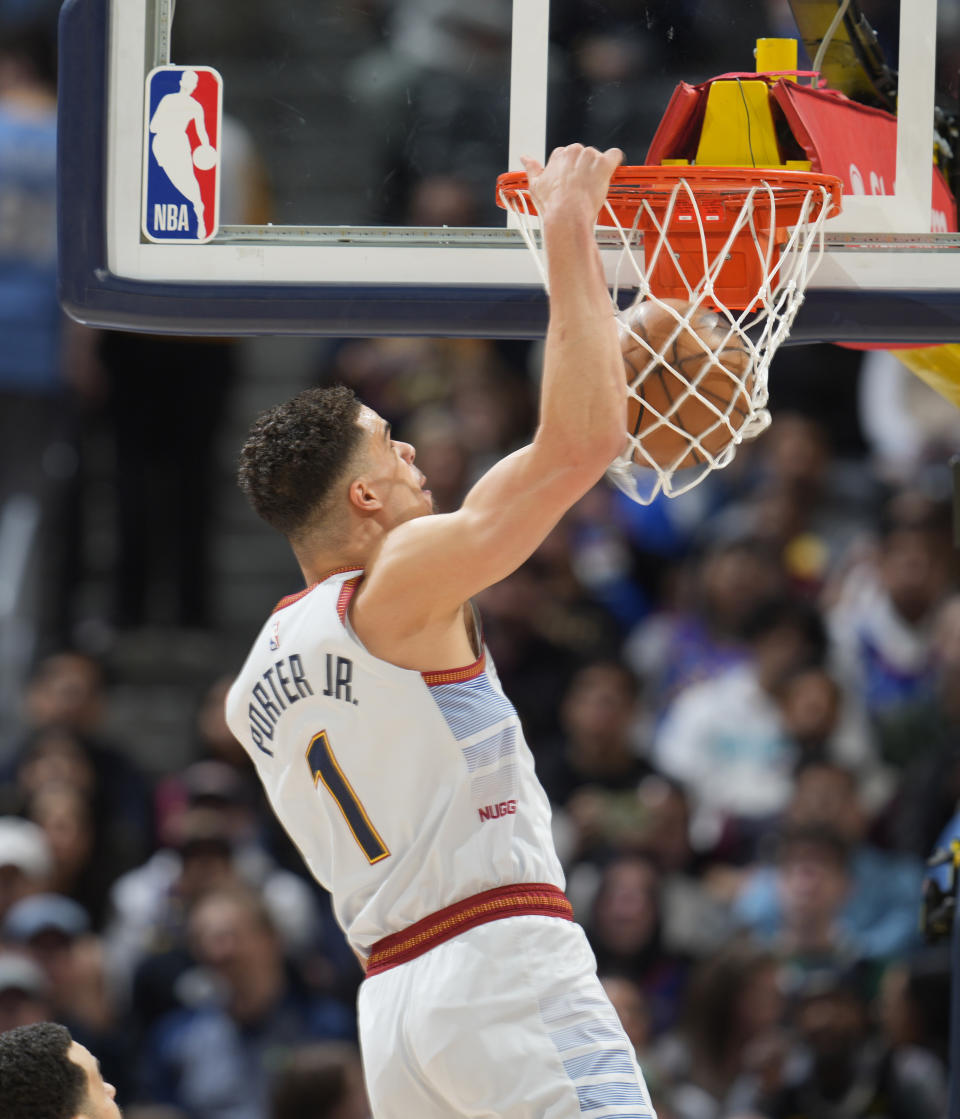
(612, 443)
(588, 452)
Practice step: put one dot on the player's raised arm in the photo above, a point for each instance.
(583, 392)
(426, 568)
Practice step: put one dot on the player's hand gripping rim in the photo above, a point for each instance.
(574, 181)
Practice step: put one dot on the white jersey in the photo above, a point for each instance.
(404, 791)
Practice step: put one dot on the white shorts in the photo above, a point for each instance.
(505, 1021)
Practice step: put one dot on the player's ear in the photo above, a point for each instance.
(363, 498)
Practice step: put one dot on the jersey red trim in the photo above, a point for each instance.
(525, 899)
(290, 599)
(456, 675)
(346, 593)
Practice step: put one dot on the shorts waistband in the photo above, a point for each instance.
(522, 900)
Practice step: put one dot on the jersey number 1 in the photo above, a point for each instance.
(325, 767)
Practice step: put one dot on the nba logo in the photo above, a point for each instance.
(181, 171)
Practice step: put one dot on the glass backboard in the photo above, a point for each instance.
(361, 143)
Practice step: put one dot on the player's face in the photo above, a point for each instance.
(391, 471)
(100, 1102)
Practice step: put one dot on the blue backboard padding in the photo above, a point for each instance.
(92, 295)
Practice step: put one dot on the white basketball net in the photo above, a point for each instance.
(759, 330)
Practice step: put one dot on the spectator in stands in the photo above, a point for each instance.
(882, 624)
(813, 884)
(39, 352)
(24, 992)
(922, 739)
(694, 898)
(803, 504)
(212, 839)
(64, 709)
(824, 724)
(810, 705)
(321, 1081)
(702, 635)
(625, 932)
(879, 916)
(26, 861)
(55, 933)
(733, 1012)
(80, 870)
(211, 1058)
(725, 740)
(148, 944)
(839, 1068)
(149, 905)
(593, 770)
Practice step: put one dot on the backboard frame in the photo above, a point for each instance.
(99, 288)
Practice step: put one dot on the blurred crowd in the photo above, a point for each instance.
(742, 702)
(743, 709)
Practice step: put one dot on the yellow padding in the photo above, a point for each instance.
(939, 366)
(738, 127)
(776, 54)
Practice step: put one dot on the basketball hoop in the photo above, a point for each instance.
(741, 242)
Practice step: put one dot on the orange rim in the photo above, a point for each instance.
(724, 186)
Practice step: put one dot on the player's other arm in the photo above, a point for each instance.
(428, 567)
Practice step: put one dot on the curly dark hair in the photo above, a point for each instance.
(296, 452)
(37, 1078)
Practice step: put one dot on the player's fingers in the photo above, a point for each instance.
(614, 155)
(568, 152)
(532, 166)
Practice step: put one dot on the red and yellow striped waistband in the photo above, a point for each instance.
(522, 900)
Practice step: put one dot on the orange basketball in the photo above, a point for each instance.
(708, 392)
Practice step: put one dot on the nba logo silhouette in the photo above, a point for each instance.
(181, 173)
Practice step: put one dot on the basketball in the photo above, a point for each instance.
(723, 380)
(204, 157)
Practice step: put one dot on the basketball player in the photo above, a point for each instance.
(387, 747)
(44, 1072)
